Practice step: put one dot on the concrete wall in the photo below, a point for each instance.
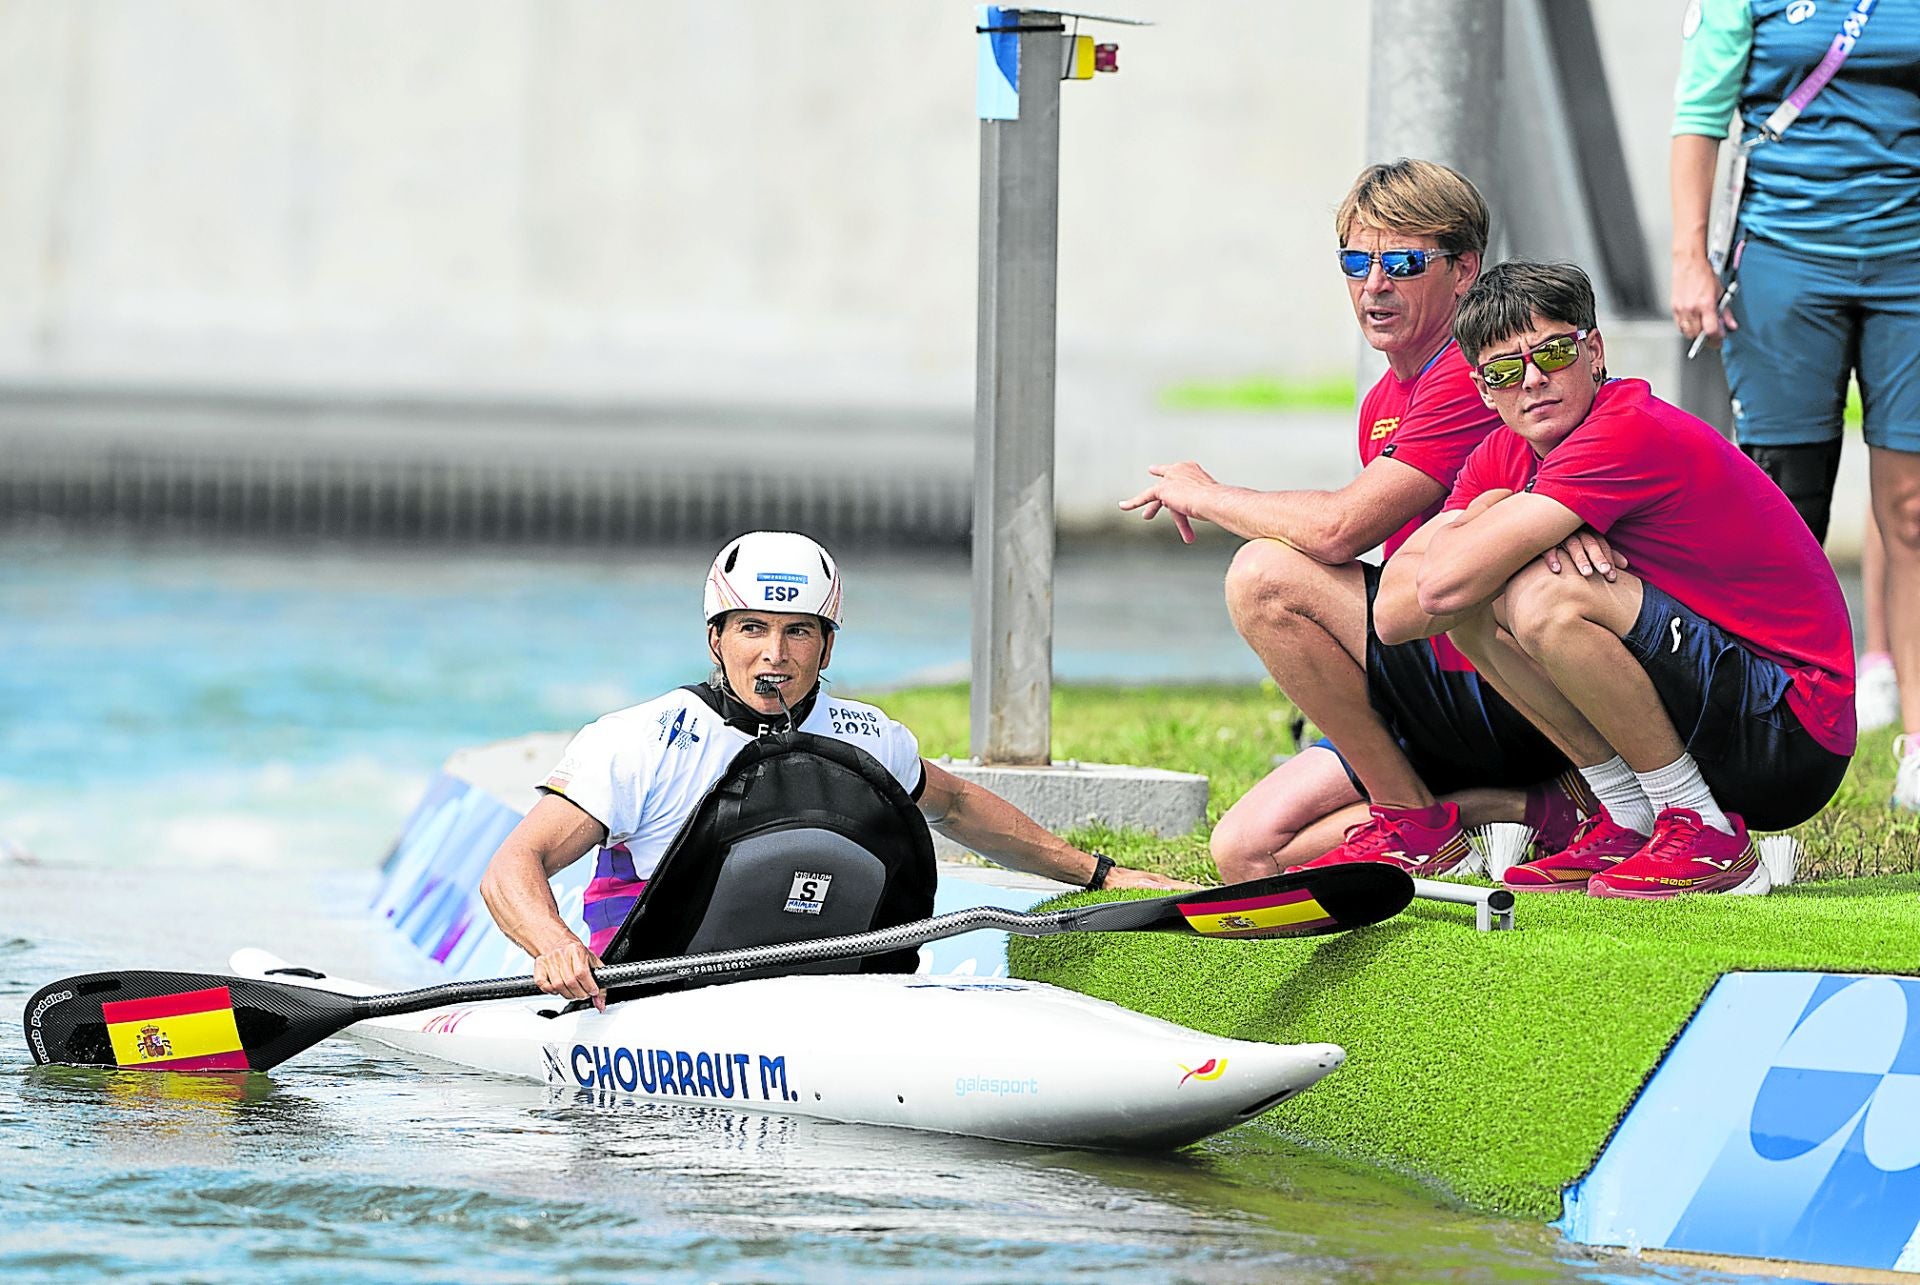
(721, 201)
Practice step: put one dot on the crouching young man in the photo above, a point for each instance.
(1636, 587)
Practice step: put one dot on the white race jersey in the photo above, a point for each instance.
(642, 771)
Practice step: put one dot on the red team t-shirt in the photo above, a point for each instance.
(1432, 422)
(1698, 520)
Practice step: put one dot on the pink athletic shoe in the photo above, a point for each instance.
(1684, 855)
(1399, 840)
(1555, 810)
(1598, 844)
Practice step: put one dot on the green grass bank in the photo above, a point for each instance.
(1493, 1065)
(1230, 733)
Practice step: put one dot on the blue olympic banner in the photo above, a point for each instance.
(1784, 1123)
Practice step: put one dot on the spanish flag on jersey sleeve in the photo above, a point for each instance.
(1296, 911)
(191, 1031)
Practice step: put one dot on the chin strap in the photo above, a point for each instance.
(737, 714)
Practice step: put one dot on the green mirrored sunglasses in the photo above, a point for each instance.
(1549, 355)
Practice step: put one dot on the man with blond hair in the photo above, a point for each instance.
(1403, 725)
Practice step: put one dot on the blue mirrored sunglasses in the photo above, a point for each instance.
(1398, 264)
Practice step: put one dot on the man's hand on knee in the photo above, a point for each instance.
(1587, 552)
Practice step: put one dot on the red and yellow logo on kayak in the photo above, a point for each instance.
(1277, 913)
(1211, 1069)
(191, 1031)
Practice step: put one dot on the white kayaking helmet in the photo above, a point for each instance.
(774, 571)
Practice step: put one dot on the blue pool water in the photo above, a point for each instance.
(208, 748)
(202, 705)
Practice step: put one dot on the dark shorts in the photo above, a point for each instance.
(1729, 706)
(1807, 322)
(1456, 730)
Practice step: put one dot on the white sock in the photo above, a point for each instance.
(1619, 792)
(1680, 785)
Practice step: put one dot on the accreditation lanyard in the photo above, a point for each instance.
(1720, 234)
(1807, 90)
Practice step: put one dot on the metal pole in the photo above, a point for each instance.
(1434, 93)
(1492, 907)
(1013, 535)
(1433, 85)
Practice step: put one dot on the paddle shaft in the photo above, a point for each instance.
(1372, 882)
(852, 946)
(197, 1021)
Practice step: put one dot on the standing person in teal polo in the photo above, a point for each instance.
(1823, 263)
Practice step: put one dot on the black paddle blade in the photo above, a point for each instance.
(179, 1021)
(1305, 903)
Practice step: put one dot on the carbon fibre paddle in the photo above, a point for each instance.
(209, 1022)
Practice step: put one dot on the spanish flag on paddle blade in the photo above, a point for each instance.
(1273, 915)
(191, 1031)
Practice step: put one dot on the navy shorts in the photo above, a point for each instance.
(1729, 706)
(1807, 322)
(1456, 730)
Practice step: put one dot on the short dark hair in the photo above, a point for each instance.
(1417, 198)
(1502, 303)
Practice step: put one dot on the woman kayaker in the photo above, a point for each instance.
(630, 780)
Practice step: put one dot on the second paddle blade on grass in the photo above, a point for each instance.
(1306, 903)
(164, 1021)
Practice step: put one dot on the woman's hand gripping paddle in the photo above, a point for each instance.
(168, 1021)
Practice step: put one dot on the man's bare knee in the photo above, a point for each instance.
(1241, 853)
(1540, 606)
(1242, 832)
(1268, 580)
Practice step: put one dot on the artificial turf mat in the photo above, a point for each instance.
(1230, 732)
(1494, 1065)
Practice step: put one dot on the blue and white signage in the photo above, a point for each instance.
(1784, 1123)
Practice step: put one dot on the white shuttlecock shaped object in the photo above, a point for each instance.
(1503, 845)
(1780, 856)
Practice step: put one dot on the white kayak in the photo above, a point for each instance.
(1016, 1061)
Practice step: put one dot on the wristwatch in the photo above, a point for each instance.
(1101, 864)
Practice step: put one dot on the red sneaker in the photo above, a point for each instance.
(1399, 840)
(1598, 844)
(1684, 855)
(1555, 810)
